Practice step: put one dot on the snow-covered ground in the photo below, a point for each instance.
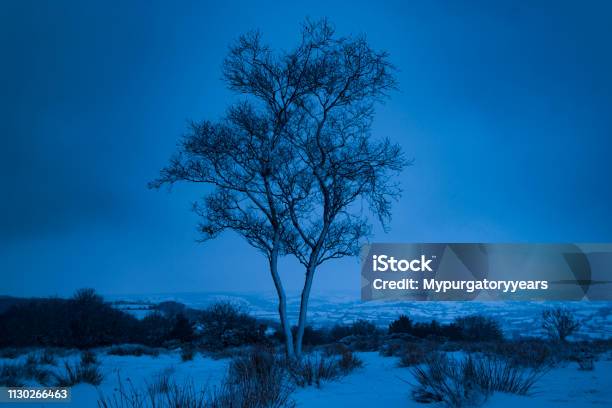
(380, 383)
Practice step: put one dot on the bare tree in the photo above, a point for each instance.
(342, 166)
(559, 323)
(294, 163)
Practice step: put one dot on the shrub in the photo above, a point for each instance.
(225, 325)
(312, 336)
(468, 382)
(78, 373)
(256, 379)
(187, 353)
(526, 353)
(15, 375)
(402, 324)
(133, 350)
(88, 357)
(412, 356)
(47, 357)
(362, 343)
(478, 328)
(392, 348)
(559, 323)
(586, 364)
(335, 349)
(349, 362)
(339, 332)
(154, 329)
(182, 329)
(363, 328)
(312, 370)
(358, 328)
(161, 382)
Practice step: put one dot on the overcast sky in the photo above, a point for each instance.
(506, 109)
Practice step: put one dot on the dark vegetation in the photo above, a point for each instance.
(86, 321)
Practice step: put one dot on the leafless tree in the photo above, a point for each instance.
(293, 164)
(559, 323)
(341, 165)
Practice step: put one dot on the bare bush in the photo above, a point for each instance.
(88, 357)
(526, 353)
(15, 375)
(257, 379)
(559, 323)
(412, 356)
(315, 369)
(78, 373)
(468, 382)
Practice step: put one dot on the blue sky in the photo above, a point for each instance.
(506, 108)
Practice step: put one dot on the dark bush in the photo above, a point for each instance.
(402, 324)
(339, 331)
(15, 375)
(78, 373)
(526, 353)
(256, 379)
(82, 321)
(187, 353)
(312, 336)
(349, 362)
(225, 325)
(559, 323)
(358, 328)
(313, 370)
(479, 328)
(363, 328)
(413, 356)
(182, 329)
(154, 329)
(88, 357)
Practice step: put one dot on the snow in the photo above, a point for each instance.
(379, 383)
(204, 372)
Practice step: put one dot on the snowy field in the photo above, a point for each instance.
(380, 383)
(516, 318)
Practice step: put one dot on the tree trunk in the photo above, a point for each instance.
(282, 306)
(303, 310)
